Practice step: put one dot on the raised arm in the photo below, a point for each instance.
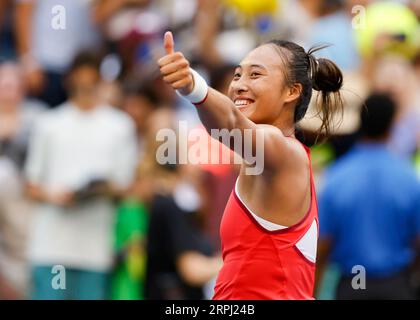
(218, 111)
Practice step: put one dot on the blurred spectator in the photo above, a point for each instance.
(14, 225)
(82, 155)
(121, 23)
(307, 11)
(334, 27)
(139, 104)
(180, 258)
(128, 281)
(106, 9)
(385, 28)
(17, 116)
(370, 212)
(132, 213)
(110, 93)
(207, 25)
(395, 76)
(7, 49)
(50, 33)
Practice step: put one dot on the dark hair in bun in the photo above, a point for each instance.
(321, 74)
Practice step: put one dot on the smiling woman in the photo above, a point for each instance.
(269, 228)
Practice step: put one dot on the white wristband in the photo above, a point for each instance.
(200, 90)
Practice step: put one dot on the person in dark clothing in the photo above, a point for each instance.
(172, 234)
(370, 213)
(180, 258)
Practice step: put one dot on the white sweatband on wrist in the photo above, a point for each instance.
(200, 90)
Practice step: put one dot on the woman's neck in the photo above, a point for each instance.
(288, 132)
(285, 123)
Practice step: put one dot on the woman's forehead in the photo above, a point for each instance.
(265, 55)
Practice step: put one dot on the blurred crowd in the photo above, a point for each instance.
(81, 103)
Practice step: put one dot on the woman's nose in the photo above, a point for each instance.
(240, 85)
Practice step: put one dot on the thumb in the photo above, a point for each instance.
(168, 42)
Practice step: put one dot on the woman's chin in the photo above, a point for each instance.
(247, 110)
(246, 107)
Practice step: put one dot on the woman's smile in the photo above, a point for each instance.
(243, 102)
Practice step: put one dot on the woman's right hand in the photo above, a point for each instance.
(175, 68)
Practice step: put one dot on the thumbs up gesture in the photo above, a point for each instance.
(175, 68)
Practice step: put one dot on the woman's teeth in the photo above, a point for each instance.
(240, 103)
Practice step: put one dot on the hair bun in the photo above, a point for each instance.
(325, 75)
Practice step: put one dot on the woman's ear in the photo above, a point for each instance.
(293, 92)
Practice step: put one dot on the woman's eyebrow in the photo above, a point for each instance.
(251, 66)
(257, 66)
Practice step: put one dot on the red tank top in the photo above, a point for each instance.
(262, 264)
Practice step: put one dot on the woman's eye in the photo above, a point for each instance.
(236, 75)
(255, 74)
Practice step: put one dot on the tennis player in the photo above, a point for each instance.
(269, 229)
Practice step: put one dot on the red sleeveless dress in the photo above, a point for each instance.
(262, 264)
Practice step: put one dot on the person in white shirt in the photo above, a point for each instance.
(81, 156)
(49, 35)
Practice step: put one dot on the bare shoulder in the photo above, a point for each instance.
(298, 150)
(286, 151)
